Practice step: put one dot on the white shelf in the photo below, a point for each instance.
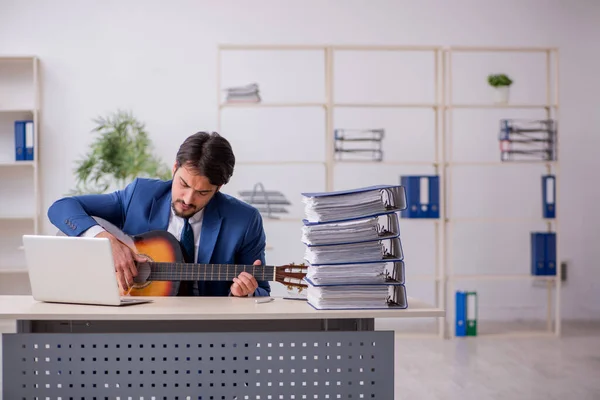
(278, 162)
(414, 163)
(17, 217)
(16, 110)
(17, 164)
(507, 220)
(12, 271)
(485, 277)
(500, 106)
(442, 105)
(548, 104)
(387, 105)
(19, 85)
(504, 163)
(425, 278)
(270, 105)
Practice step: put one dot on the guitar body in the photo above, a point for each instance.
(157, 246)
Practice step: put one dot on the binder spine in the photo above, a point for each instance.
(551, 253)
(461, 314)
(549, 196)
(472, 312)
(543, 253)
(29, 141)
(422, 196)
(19, 140)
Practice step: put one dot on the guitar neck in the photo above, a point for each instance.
(167, 271)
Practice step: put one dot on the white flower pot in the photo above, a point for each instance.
(501, 94)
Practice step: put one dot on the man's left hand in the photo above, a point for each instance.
(244, 284)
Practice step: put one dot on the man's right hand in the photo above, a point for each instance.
(124, 260)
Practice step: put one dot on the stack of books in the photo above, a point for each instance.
(243, 94)
(353, 248)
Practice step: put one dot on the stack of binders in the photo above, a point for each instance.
(353, 248)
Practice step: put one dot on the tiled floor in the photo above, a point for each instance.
(496, 368)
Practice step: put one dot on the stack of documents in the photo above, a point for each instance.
(243, 94)
(340, 297)
(360, 273)
(354, 261)
(353, 204)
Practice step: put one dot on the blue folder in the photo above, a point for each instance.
(19, 140)
(549, 196)
(422, 196)
(461, 314)
(543, 253)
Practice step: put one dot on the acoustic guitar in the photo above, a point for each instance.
(166, 265)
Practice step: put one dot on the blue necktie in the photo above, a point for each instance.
(187, 242)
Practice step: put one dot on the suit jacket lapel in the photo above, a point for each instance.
(160, 211)
(211, 224)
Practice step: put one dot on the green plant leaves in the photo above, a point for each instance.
(121, 153)
(497, 80)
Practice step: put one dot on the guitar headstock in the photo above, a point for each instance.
(292, 275)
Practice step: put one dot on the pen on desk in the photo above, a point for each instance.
(295, 298)
(264, 300)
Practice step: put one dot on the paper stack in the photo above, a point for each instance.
(353, 248)
(243, 94)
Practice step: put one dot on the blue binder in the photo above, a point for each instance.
(24, 140)
(461, 314)
(423, 196)
(20, 140)
(543, 253)
(549, 196)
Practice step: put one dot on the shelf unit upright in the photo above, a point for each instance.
(550, 107)
(19, 179)
(330, 104)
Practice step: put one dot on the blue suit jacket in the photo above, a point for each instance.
(232, 231)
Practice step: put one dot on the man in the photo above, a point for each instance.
(224, 230)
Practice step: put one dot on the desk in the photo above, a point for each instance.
(199, 348)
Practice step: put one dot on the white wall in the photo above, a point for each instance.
(158, 59)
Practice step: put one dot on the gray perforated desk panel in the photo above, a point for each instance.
(123, 354)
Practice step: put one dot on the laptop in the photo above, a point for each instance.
(79, 270)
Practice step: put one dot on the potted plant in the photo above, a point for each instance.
(501, 83)
(122, 152)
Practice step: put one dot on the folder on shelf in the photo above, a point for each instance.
(382, 226)
(356, 296)
(422, 196)
(549, 196)
(24, 140)
(29, 140)
(472, 313)
(543, 253)
(335, 206)
(461, 314)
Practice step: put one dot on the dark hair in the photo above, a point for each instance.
(208, 154)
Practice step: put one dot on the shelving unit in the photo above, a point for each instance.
(329, 104)
(19, 180)
(550, 108)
